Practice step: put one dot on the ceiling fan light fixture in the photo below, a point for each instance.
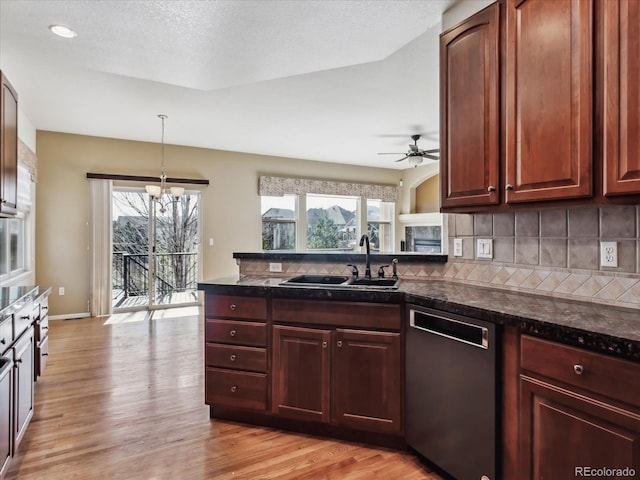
(63, 31)
(415, 161)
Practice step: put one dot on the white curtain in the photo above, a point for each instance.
(101, 241)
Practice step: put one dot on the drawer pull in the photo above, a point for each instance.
(508, 187)
(45, 354)
(491, 188)
(233, 306)
(324, 344)
(234, 389)
(18, 360)
(45, 328)
(232, 358)
(339, 343)
(232, 333)
(25, 317)
(45, 308)
(579, 369)
(3, 342)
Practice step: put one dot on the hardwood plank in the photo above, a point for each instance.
(126, 401)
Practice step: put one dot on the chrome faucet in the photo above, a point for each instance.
(395, 269)
(367, 269)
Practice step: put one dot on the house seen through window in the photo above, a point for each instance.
(331, 223)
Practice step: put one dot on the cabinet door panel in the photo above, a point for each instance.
(562, 430)
(24, 352)
(469, 120)
(301, 373)
(5, 418)
(8, 148)
(366, 380)
(621, 90)
(548, 84)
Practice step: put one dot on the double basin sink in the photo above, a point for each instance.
(333, 281)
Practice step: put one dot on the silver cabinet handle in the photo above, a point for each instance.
(491, 188)
(339, 343)
(324, 344)
(232, 358)
(233, 306)
(234, 389)
(579, 369)
(232, 333)
(508, 186)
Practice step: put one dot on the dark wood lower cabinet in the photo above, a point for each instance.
(366, 380)
(563, 433)
(350, 378)
(301, 368)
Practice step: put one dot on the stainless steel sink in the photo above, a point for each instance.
(374, 282)
(317, 280)
(339, 281)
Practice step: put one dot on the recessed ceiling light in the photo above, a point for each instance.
(62, 31)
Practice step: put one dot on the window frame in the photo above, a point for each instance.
(362, 221)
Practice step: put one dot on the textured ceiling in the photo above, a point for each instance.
(319, 80)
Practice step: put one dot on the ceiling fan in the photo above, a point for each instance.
(415, 154)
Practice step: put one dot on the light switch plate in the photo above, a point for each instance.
(484, 248)
(457, 247)
(608, 254)
(275, 267)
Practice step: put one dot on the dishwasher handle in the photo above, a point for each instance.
(456, 330)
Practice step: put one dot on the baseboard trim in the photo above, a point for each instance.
(69, 316)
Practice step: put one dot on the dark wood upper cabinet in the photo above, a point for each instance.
(620, 35)
(8, 148)
(548, 99)
(469, 106)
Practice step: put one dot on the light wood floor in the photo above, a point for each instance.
(123, 399)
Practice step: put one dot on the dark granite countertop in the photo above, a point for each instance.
(601, 328)
(342, 257)
(14, 298)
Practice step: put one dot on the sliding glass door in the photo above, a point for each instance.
(155, 254)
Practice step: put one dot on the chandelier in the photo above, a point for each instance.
(157, 191)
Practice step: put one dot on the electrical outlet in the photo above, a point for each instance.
(457, 247)
(211, 242)
(608, 254)
(61, 291)
(275, 267)
(484, 248)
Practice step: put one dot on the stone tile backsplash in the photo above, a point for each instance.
(555, 252)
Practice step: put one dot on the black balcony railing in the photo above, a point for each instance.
(173, 272)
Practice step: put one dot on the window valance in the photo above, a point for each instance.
(302, 186)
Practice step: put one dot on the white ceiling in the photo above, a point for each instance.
(336, 81)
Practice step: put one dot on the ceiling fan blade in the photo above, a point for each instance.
(432, 157)
(403, 158)
(414, 148)
(433, 150)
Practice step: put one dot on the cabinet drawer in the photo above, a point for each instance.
(42, 355)
(237, 389)
(238, 333)
(44, 307)
(42, 328)
(342, 314)
(591, 371)
(6, 333)
(236, 307)
(237, 357)
(22, 320)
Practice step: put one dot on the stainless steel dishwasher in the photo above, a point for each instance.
(451, 392)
